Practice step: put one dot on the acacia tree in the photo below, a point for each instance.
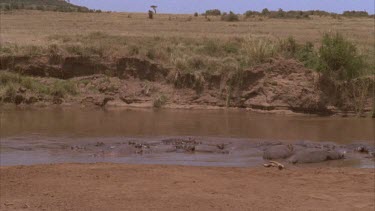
(154, 8)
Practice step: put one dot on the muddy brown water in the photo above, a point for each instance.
(31, 136)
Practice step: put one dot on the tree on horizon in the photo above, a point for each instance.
(154, 8)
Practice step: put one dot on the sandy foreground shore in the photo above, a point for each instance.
(155, 187)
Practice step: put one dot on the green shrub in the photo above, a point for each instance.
(34, 85)
(195, 14)
(339, 58)
(265, 12)
(10, 92)
(151, 54)
(133, 50)
(289, 47)
(54, 54)
(228, 65)
(211, 48)
(33, 50)
(355, 13)
(62, 88)
(231, 17)
(231, 47)
(308, 56)
(8, 78)
(160, 101)
(75, 49)
(196, 63)
(40, 7)
(214, 12)
(251, 13)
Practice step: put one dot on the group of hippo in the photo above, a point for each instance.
(307, 152)
(176, 145)
(300, 152)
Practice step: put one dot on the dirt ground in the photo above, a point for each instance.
(154, 187)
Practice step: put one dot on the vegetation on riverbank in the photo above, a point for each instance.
(336, 59)
(13, 83)
(344, 61)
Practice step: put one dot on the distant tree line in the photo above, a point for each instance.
(293, 14)
(355, 14)
(43, 5)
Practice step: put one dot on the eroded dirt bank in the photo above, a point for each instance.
(277, 85)
(143, 187)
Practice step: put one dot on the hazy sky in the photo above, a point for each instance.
(238, 6)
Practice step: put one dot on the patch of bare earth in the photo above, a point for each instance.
(145, 187)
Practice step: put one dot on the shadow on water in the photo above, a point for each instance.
(217, 123)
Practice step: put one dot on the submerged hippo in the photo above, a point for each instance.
(315, 156)
(278, 152)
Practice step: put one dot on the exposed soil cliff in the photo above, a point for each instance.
(277, 85)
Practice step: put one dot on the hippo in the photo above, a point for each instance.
(366, 149)
(278, 152)
(315, 156)
(204, 148)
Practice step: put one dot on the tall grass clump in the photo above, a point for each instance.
(8, 78)
(61, 88)
(10, 92)
(344, 69)
(308, 55)
(11, 82)
(160, 101)
(289, 47)
(211, 48)
(258, 50)
(339, 58)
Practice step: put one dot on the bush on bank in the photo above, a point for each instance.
(11, 83)
(336, 56)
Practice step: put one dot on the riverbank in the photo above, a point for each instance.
(143, 187)
(122, 59)
(278, 86)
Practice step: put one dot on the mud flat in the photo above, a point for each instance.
(144, 187)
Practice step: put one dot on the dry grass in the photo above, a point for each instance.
(25, 27)
(175, 40)
(189, 44)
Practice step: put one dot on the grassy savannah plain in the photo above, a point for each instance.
(34, 27)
